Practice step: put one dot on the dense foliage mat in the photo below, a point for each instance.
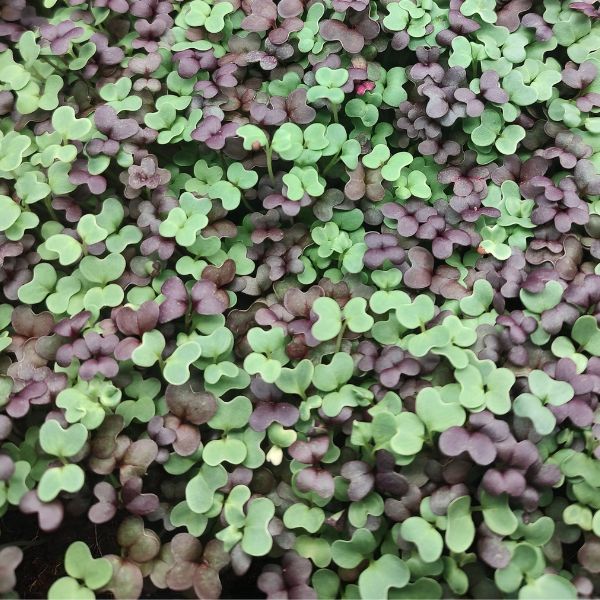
(311, 285)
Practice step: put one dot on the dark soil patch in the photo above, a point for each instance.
(44, 553)
(235, 587)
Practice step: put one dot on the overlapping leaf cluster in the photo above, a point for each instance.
(310, 283)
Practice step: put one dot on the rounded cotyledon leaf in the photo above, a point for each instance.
(479, 301)
(80, 407)
(425, 536)
(228, 450)
(79, 564)
(530, 406)
(409, 433)
(326, 583)
(384, 427)
(17, 483)
(332, 376)
(318, 550)
(416, 314)
(300, 515)
(548, 390)
(62, 442)
(67, 588)
(437, 414)
(98, 297)
(472, 395)
(183, 516)
(150, 350)
(538, 302)
(69, 478)
(231, 415)
(90, 232)
(269, 369)
(497, 397)
(537, 533)
(68, 248)
(296, 380)
(391, 170)
(356, 317)
(436, 337)
(383, 301)
(68, 126)
(349, 395)
(200, 490)
(10, 210)
(460, 531)
(348, 554)
(378, 156)
(329, 323)
(234, 506)
(257, 540)
(42, 284)
(253, 136)
(497, 514)
(387, 572)
(177, 367)
(359, 511)
(548, 587)
(102, 270)
(586, 333)
(143, 410)
(424, 587)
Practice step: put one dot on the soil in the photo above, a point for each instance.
(44, 553)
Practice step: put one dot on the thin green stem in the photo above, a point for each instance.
(105, 31)
(222, 159)
(50, 209)
(269, 152)
(91, 91)
(430, 438)
(47, 60)
(340, 336)
(113, 481)
(335, 112)
(38, 75)
(247, 204)
(474, 69)
(188, 318)
(26, 544)
(330, 164)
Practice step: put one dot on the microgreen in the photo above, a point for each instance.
(310, 288)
